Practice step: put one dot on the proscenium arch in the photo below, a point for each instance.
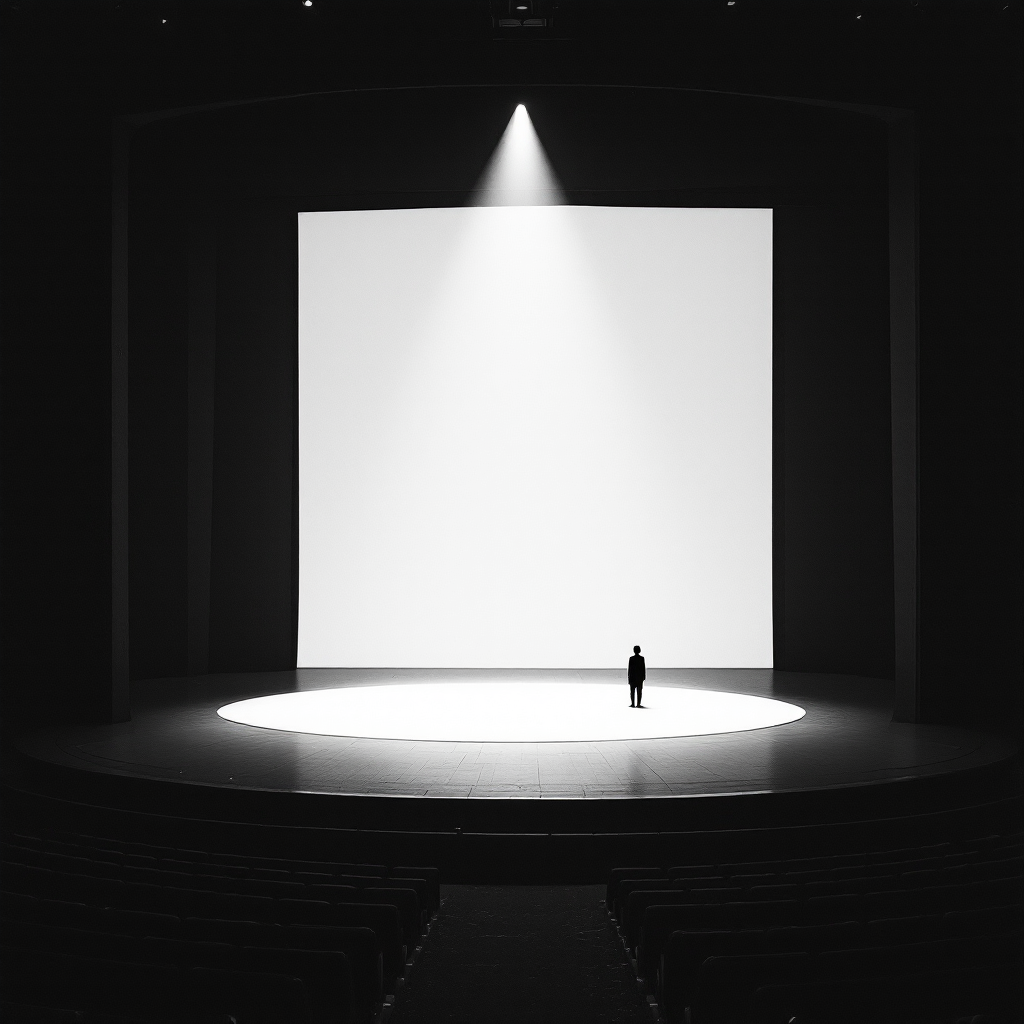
(903, 346)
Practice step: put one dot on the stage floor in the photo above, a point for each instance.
(846, 738)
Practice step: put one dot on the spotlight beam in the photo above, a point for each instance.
(519, 172)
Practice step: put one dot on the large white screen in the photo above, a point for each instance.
(534, 437)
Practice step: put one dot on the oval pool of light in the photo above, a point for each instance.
(520, 712)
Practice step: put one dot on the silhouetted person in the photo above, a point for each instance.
(637, 674)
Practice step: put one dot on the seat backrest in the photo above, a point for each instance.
(327, 975)
(90, 984)
(408, 905)
(140, 923)
(256, 998)
(631, 885)
(616, 875)
(726, 984)
(237, 933)
(191, 953)
(432, 876)
(200, 903)
(638, 902)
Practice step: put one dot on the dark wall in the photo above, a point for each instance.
(971, 424)
(823, 171)
(834, 586)
(55, 604)
(157, 368)
(68, 67)
(254, 571)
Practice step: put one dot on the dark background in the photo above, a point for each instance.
(211, 198)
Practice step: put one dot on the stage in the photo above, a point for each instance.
(519, 811)
(846, 738)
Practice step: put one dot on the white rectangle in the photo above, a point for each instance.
(535, 436)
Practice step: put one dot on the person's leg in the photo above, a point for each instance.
(639, 694)
(632, 694)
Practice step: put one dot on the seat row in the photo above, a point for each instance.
(651, 916)
(825, 882)
(998, 856)
(929, 981)
(160, 993)
(808, 904)
(182, 900)
(257, 875)
(676, 921)
(344, 932)
(665, 925)
(204, 921)
(672, 966)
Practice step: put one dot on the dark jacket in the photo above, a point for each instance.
(637, 669)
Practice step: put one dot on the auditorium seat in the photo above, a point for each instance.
(658, 924)
(983, 920)
(371, 978)
(29, 934)
(687, 951)
(748, 880)
(342, 878)
(617, 875)
(201, 903)
(325, 974)
(276, 874)
(304, 911)
(155, 875)
(630, 885)
(991, 994)
(725, 985)
(331, 893)
(184, 953)
(252, 998)
(408, 905)
(385, 923)
(781, 891)
(431, 876)
(717, 894)
(691, 871)
(637, 903)
(312, 877)
(274, 888)
(145, 896)
(1011, 867)
(140, 923)
(91, 984)
(695, 882)
(891, 931)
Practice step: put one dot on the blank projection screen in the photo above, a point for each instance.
(532, 437)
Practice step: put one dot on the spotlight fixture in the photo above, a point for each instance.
(519, 14)
(307, 3)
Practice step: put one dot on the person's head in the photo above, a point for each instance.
(636, 650)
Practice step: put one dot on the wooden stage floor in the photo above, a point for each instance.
(846, 739)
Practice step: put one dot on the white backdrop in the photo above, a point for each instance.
(535, 436)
